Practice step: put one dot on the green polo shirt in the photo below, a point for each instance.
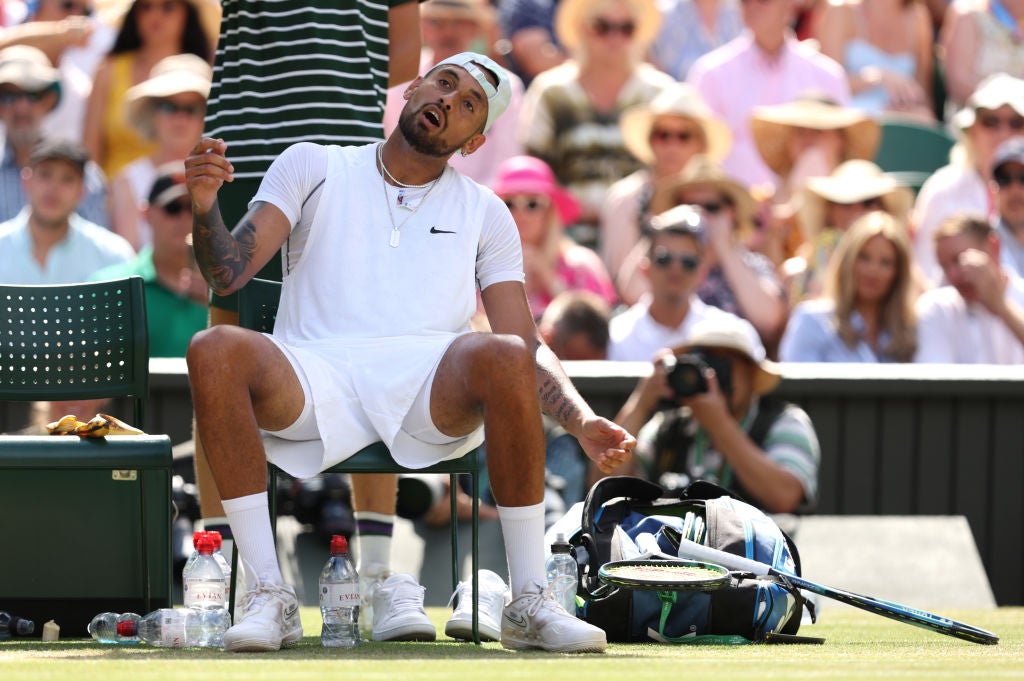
(172, 318)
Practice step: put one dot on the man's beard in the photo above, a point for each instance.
(418, 140)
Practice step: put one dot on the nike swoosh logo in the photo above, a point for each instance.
(517, 620)
(435, 230)
(290, 611)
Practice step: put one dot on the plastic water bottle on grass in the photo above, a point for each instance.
(12, 626)
(563, 576)
(174, 628)
(339, 598)
(104, 627)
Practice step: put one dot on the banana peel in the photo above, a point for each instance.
(67, 425)
(105, 425)
(101, 425)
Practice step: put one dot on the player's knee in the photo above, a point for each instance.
(210, 352)
(507, 355)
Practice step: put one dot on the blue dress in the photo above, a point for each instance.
(812, 335)
(860, 54)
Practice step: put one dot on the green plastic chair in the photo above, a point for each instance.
(75, 341)
(108, 497)
(257, 310)
(912, 150)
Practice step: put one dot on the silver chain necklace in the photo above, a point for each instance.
(396, 228)
(394, 180)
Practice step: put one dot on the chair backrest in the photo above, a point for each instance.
(75, 341)
(911, 150)
(257, 305)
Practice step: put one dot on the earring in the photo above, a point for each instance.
(463, 152)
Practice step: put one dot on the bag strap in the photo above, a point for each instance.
(616, 486)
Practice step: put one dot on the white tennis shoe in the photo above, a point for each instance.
(534, 619)
(398, 613)
(494, 596)
(269, 620)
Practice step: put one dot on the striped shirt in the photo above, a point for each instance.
(791, 442)
(290, 71)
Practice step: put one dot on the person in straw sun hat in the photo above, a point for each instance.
(732, 432)
(804, 138)
(738, 280)
(663, 134)
(150, 30)
(168, 109)
(31, 88)
(829, 205)
(570, 114)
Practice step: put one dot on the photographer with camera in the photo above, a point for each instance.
(705, 413)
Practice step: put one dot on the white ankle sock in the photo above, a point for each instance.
(250, 523)
(523, 530)
(373, 534)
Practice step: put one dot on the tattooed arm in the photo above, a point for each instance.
(603, 441)
(228, 259)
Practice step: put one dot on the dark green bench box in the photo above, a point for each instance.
(85, 527)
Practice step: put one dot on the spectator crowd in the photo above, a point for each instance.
(667, 163)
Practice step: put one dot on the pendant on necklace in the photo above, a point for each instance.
(395, 234)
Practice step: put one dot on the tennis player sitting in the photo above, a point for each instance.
(386, 245)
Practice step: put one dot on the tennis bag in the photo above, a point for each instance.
(748, 609)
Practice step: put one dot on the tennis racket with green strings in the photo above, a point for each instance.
(663, 575)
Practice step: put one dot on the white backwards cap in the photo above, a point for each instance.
(497, 97)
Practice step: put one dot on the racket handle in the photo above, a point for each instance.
(691, 549)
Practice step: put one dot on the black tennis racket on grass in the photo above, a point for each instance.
(902, 613)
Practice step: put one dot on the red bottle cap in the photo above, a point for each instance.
(195, 538)
(218, 541)
(204, 544)
(127, 628)
(339, 544)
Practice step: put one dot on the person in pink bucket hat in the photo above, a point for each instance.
(553, 262)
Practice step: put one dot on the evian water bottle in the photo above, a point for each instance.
(339, 598)
(204, 585)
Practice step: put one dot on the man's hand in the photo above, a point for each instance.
(607, 444)
(710, 408)
(984, 278)
(206, 170)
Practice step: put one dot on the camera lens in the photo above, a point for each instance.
(686, 377)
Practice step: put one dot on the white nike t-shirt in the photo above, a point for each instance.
(366, 321)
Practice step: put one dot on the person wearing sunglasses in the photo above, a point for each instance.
(993, 113)
(75, 39)
(1008, 188)
(553, 263)
(675, 251)
(167, 108)
(176, 293)
(148, 32)
(663, 134)
(570, 114)
(978, 317)
(738, 280)
(30, 88)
